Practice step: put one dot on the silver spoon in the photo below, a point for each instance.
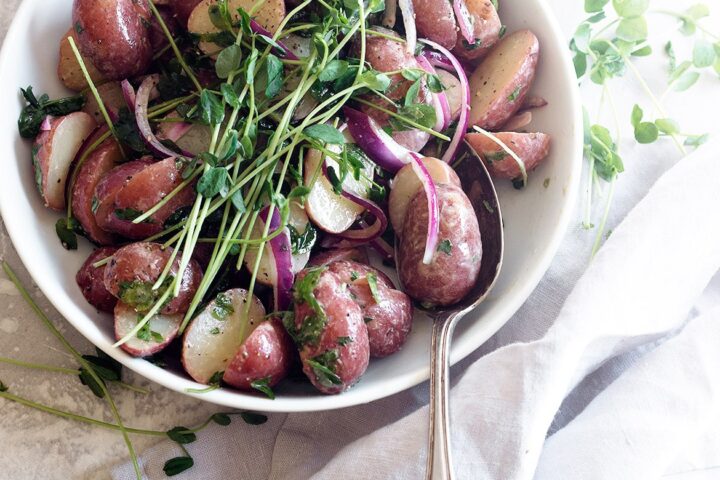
(480, 190)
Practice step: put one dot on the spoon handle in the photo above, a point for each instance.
(439, 463)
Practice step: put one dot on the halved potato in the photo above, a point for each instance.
(159, 332)
(331, 212)
(453, 91)
(406, 185)
(54, 151)
(215, 336)
(69, 70)
(499, 85)
(194, 140)
(486, 30)
(113, 98)
(532, 148)
(435, 20)
(269, 16)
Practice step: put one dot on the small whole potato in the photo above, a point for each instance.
(91, 281)
(455, 264)
(134, 269)
(333, 342)
(114, 35)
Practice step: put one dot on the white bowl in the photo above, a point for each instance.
(535, 218)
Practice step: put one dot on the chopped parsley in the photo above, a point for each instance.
(140, 295)
(323, 367)
(263, 385)
(514, 95)
(342, 341)
(495, 156)
(223, 307)
(446, 246)
(488, 207)
(302, 242)
(372, 283)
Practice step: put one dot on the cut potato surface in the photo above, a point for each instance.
(328, 210)
(215, 336)
(270, 14)
(53, 153)
(69, 70)
(500, 84)
(156, 335)
(532, 148)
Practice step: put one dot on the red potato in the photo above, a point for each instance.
(406, 184)
(435, 20)
(270, 14)
(110, 184)
(215, 337)
(145, 189)
(387, 55)
(267, 353)
(532, 148)
(182, 9)
(54, 151)
(91, 281)
(160, 331)
(486, 30)
(113, 99)
(329, 211)
(499, 85)
(114, 35)
(455, 265)
(334, 356)
(158, 39)
(135, 268)
(336, 254)
(519, 121)
(388, 317)
(96, 165)
(453, 91)
(69, 71)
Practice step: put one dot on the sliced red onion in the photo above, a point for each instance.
(414, 140)
(281, 252)
(141, 117)
(433, 232)
(378, 145)
(46, 124)
(287, 53)
(467, 30)
(408, 12)
(129, 94)
(440, 100)
(465, 102)
(365, 233)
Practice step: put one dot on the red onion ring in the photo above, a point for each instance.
(440, 100)
(287, 53)
(141, 117)
(46, 124)
(467, 30)
(378, 145)
(367, 233)
(408, 13)
(431, 242)
(281, 252)
(462, 125)
(129, 94)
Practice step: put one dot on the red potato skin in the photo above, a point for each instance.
(110, 184)
(532, 148)
(344, 319)
(435, 20)
(114, 35)
(336, 254)
(91, 172)
(448, 277)
(385, 55)
(144, 262)
(487, 26)
(91, 281)
(389, 322)
(143, 191)
(266, 353)
(158, 39)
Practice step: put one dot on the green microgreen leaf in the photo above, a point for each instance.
(213, 182)
(333, 70)
(703, 54)
(222, 419)
(696, 140)
(181, 435)
(228, 61)
(592, 6)
(685, 81)
(211, 108)
(630, 8)
(274, 68)
(253, 418)
(632, 29)
(667, 125)
(177, 465)
(66, 230)
(263, 385)
(646, 132)
(325, 133)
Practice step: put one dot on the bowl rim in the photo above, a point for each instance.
(236, 399)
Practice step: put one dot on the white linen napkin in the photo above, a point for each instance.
(641, 286)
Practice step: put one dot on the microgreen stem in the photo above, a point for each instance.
(687, 18)
(508, 150)
(404, 119)
(39, 366)
(84, 363)
(188, 71)
(603, 222)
